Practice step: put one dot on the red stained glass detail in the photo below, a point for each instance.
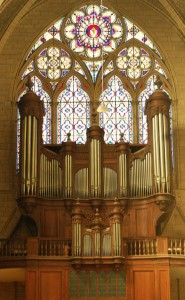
(93, 31)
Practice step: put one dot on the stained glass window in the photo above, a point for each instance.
(53, 63)
(46, 127)
(73, 115)
(82, 44)
(90, 28)
(133, 62)
(118, 119)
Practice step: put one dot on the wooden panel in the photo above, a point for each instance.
(142, 226)
(31, 285)
(50, 285)
(51, 219)
(164, 287)
(144, 285)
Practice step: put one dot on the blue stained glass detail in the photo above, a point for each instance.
(73, 112)
(118, 119)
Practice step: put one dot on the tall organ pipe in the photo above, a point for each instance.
(157, 109)
(95, 165)
(76, 230)
(123, 153)
(115, 217)
(31, 112)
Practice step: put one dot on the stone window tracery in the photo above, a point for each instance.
(66, 64)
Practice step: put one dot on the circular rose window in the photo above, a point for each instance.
(91, 29)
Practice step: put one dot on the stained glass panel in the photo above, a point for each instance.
(158, 68)
(46, 127)
(94, 68)
(134, 61)
(29, 69)
(118, 119)
(53, 32)
(53, 63)
(79, 69)
(73, 112)
(142, 119)
(109, 68)
(92, 28)
(134, 32)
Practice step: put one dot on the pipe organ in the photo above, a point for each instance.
(95, 195)
(31, 111)
(157, 110)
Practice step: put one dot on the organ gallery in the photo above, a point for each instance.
(98, 200)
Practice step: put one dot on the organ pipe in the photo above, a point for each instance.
(68, 176)
(31, 111)
(141, 176)
(115, 218)
(50, 177)
(157, 109)
(95, 166)
(76, 230)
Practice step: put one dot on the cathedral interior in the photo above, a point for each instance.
(92, 147)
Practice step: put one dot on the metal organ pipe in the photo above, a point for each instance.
(123, 174)
(161, 154)
(141, 176)
(95, 164)
(167, 153)
(29, 156)
(68, 176)
(157, 110)
(50, 177)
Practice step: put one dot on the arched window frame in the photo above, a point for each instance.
(94, 88)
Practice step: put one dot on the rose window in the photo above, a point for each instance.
(91, 28)
(134, 62)
(53, 63)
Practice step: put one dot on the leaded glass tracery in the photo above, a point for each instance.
(46, 127)
(73, 112)
(91, 28)
(87, 31)
(53, 63)
(134, 62)
(119, 117)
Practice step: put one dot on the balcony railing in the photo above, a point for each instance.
(47, 247)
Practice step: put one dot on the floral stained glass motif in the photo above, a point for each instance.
(109, 68)
(53, 32)
(134, 32)
(133, 62)
(73, 112)
(53, 63)
(158, 68)
(94, 68)
(118, 119)
(92, 28)
(79, 69)
(29, 69)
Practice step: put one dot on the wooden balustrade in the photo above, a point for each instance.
(54, 247)
(42, 247)
(16, 247)
(141, 247)
(176, 246)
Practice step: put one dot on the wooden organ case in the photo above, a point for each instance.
(96, 207)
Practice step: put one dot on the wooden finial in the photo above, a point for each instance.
(29, 84)
(68, 137)
(158, 83)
